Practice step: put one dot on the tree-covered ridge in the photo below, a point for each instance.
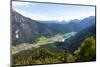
(49, 54)
(42, 55)
(87, 50)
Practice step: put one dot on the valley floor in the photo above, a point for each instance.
(42, 41)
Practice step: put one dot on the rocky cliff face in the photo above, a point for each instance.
(24, 29)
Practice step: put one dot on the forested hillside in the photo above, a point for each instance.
(51, 54)
(74, 42)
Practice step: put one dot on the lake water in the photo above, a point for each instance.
(68, 35)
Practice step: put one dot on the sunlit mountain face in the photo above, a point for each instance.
(44, 33)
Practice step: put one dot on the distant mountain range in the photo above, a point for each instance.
(27, 30)
(72, 25)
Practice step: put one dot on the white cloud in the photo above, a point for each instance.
(37, 16)
(45, 17)
(19, 4)
(32, 15)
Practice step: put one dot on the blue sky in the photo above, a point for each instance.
(41, 11)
